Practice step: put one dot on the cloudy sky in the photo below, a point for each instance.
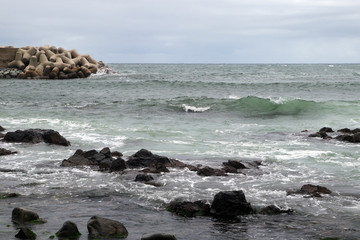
(189, 31)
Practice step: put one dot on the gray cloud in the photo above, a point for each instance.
(256, 31)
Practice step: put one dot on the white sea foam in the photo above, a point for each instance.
(189, 108)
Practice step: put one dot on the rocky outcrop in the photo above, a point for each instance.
(158, 236)
(189, 209)
(104, 160)
(69, 230)
(274, 210)
(344, 134)
(54, 63)
(99, 227)
(21, 215)
(310, 190)
(230, 204)
(208, 171)
(36, 136)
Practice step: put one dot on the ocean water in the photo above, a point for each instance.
(199, 114)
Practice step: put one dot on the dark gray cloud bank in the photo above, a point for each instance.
(196, 31)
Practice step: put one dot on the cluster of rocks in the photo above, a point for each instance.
(225, 205)
(148, 162)
(36, 136)
(344, 134)
(98, 227)
(53, 63)
(6, 73)
(310, 190)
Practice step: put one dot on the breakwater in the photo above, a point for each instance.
(46, 63)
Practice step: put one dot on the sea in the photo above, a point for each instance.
(200, 114)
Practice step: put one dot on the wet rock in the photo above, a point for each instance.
(344, 138)
(4, 151)
(21, 215)
(2, 129)
(145, 158)
(36, 136)
(68, 230)
(326, 129)
(25, 233)
(158, 236)
(102, 227)
(233, 166)
(117, 165)
(77, 159)
(208, 171)
(311, 190)
(273, 210)
(189, 209)
(143, 178)
(230, 204)
(322, 135)
(344, 130)
(8, 195)
(173, 163)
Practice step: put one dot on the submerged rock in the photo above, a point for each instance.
(26, 233)
(273, 210)
(189, 209)
(348, 135)
(69, 230)
(158, 236)
(36, 136)
(99, 227)
(311, 190)
(208, 171)
(230, 204)
(4, 151)
(22, 215)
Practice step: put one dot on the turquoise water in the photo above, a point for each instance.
(199, 114)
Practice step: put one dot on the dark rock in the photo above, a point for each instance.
(189, 209)
(173, 163)
(116, 154)
(77, 159)
(145, 158)
(322, 135)
(158, 236)
(103, 227)
(68, 230)
(143, 178)
(344, 130)
(4, 151)
(118, 165)
(356, 138)
(273, 210)
(36, 136)
(2, 129)
(312, 189)
(230, 204)
(208, 171)
(356, 130)
(106, 151)
(21, 215)
(234, 164)
(25, 233)
(9, 195)
(344, 138)
(326, 129)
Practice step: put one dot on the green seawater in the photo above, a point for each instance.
(200, 114)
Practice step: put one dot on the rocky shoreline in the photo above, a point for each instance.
(224, 206)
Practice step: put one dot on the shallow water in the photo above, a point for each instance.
(199, 114)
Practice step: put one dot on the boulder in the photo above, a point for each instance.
(21, 215)
(76, 160)
(208, 171)
(36, 136)
(230, 204)
(25, 233)
(68, 230)
(189, 209)
(326, 129)
(158, 236)
(102, 227)
(117, 165)
(143, 178)
(145, 158)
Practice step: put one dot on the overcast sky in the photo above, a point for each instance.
(189, 31)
